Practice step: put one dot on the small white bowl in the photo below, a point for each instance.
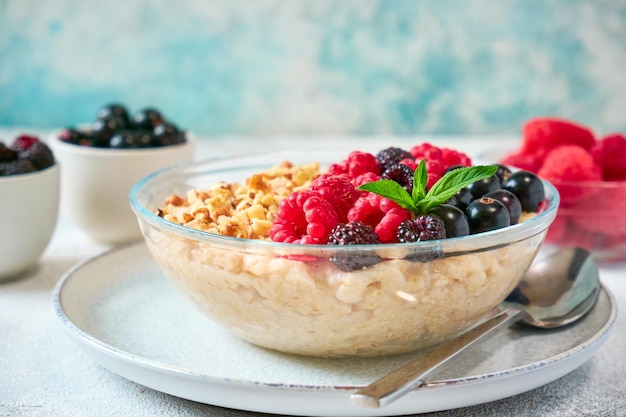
(28, 217)
(95, 183)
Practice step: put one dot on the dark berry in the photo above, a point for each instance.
(128, 139)
(18, 166)
(503, 172)
(402, 174)
(453, 218)
(424, 227)
(528, 188)
(166, 134)
(452, 168)
(484, 186)
(103, 129)
(7, 154)
(463, 198)
(76, 137)
(485, 214)
(391, 156)
(39, 154)
(354, 233)
(147, 119)
(511, 202)
(114, 109)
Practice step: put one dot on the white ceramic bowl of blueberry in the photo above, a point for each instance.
(101, 162)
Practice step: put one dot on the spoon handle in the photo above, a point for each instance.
(389, 388)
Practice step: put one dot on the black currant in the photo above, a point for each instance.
(511, 202)
(103, 129)
(485, 214)
(114, 109)
(503, 172)
(454, 220)
(166, 134)
(147, 119)
(528, 188)
(484, 186)
(463, 198)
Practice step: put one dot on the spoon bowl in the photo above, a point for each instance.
(556, 291)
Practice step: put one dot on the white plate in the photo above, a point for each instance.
(121, 310)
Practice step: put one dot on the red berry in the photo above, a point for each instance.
(526, 162)
(610, 153)
(338, 191)
(303, 217)
(23, 142)
(540, 135)
(382, 214)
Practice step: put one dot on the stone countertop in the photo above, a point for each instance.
(43, 373)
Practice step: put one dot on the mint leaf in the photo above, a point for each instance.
(392, 191)
(420, 201)
(451, 183)
(420, 181)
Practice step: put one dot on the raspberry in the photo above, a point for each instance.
(365, 178)
(540, 135)
(435, 171)
(303, 217)
(39, 154)
(338, 191)
(401, 174)
(7, 154)
(356, 164)
(452, 157)
(425, 150)
(18, 166)
(522, 161)
(610, 153)
(382, 214)
(391, 156)
(354, 233)
(571, 164)
(425, 227)
(23, 142)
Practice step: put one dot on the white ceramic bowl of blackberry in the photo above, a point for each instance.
(320, 299)
(29, 190)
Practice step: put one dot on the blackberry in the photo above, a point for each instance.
(424, 227)
(391, 156)
(18, 166)
(354, 233)
(39, 154)
(402, 174)
(7, 154)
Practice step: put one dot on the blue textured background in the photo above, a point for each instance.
(316, 67)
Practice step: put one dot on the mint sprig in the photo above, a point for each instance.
(421, 201)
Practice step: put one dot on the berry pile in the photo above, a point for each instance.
(26, 154)
(336, 209)
(587, 170)
(114, 127)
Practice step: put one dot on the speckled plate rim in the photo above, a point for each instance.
(310, 399)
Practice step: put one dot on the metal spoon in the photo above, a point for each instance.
(556, 291)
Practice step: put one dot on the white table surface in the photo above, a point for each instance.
(43, 373)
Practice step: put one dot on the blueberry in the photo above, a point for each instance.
(511, 202)
(528, 188)
(454, 220)
(485, 214)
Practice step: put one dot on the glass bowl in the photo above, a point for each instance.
(591, 216)
(292, 298)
